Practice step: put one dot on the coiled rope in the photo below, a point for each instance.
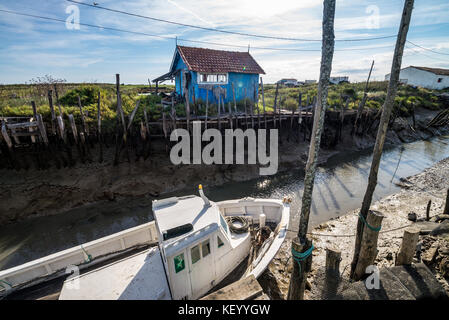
(236, 228)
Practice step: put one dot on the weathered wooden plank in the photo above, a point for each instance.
(73, 126)
(21, 125)
(6, 136)
(42, 130)
(52, 110)
(133, 114)
(244, 289)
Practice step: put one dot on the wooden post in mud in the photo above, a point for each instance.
(429, 204)
(275, 104)
(408, 246)
(230, 114)
(382, 131)
(173, 112)
(133, 114)
(256, 103)
(301, 245)
(33, 105)
(446, 206)
(233, 96)
(57, 99)
(363, 101)
(333, 259)
(207, 109)
(300, 122)
(368, 249)
(219, 110)
(263, 103)
(100, 138)
(246, 112)
(83, 121)
(252, 110)
(187, 99)
(52, 111)
(332, 273)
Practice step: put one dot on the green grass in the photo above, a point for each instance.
(15, 100)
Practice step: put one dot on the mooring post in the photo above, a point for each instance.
(429, 204)
(408, 246)
(382, 131)
(57, 99)
(52, 110)
(446, 206)
(332, 274)
(100, 138)
(33, 105)
(363, 101)
(368, 249)
(302, 246)
(263, 103)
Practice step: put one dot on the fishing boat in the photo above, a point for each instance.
(192, 247)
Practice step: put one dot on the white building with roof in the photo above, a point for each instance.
(430, 78)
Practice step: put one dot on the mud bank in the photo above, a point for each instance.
(32, 193)
(431, 184)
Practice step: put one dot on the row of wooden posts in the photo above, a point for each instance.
(58, 142)
(368, 224)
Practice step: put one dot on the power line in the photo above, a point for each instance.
(220, 30)
(180, 39)
(446, 54)
(418, 52)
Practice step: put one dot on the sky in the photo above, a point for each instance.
(31, 47)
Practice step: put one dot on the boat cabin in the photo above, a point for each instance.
(196, 245)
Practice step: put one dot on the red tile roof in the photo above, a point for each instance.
(209, 60)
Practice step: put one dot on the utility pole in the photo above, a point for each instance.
(302, 246)
(382, 131)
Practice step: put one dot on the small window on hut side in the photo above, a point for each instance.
(195, 253)
(179, 262)
(440, 79)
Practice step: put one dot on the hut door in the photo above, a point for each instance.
(202, 268)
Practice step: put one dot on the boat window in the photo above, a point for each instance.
(224, 224)
(220, 242)
(205, 248)
(179, 263)
(195, 253)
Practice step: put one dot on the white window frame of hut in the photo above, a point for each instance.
(213, 78)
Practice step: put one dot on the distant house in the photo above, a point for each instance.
(430, 78)
(337, 80)
(288, 82)
(214, 73)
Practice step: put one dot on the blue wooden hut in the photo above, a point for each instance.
(216, 73)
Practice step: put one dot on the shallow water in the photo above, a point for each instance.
(339, 187)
